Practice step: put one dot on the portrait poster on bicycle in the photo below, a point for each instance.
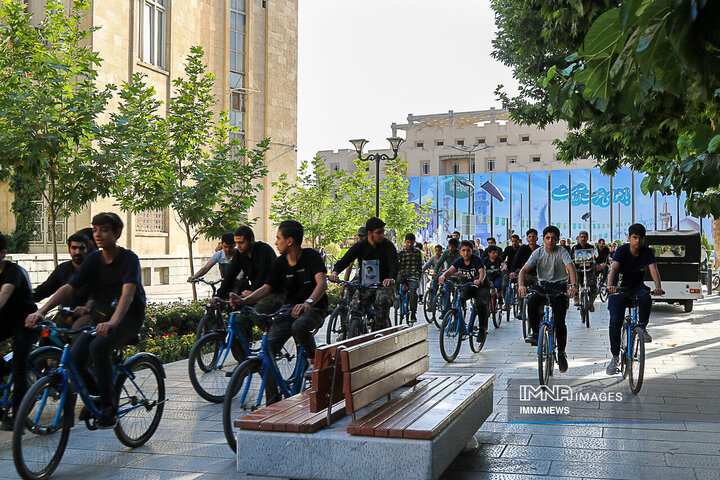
(584, 255)
(370, 272)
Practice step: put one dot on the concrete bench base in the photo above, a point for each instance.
(333, 454)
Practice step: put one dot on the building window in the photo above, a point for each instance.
(480, 141)
(237, 66)
(525, 138)
(491, 165)
(502, 139)
(536, 159)
(439, 143)
(512, 160)
(146, 275)
(335, 167)
(426, 168)
(151, 221)
(163, 275)
(455, 168)
(152, 25)
(419, 144)
(460, 143)
(472, 167)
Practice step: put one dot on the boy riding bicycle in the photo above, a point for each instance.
(112, 276)
(470, 268)
(410, 271)
(631, 260)
(554, 266)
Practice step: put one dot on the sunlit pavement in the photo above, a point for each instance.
(189, 443)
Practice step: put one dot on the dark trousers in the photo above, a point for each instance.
(559, 305)
(481, 295)
(617, 303)
(23, 340)
(300, 329)
(99, 350)
(245, 322)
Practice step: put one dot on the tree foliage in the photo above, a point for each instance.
(187, 161)
(50, 105)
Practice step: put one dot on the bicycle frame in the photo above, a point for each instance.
(550, 322)
(630, 326)
(230, 336)
(460, 307)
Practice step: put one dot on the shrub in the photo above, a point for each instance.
(169, 347)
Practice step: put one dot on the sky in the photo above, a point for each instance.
(364, 64)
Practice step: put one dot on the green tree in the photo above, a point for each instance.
(50, 105)
(313, 201)
(187, 161)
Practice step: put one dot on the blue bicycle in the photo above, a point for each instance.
(454, 329)
(430, 303)
(547, 341)
(259, 381)
(47, 412)
(402, 303)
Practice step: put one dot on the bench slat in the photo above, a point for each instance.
(361, 377)
(367, 424)
(368, 352)
(277, 422)
(252, 420)
(311, 422)
(396, 426)
(445, 411)
(365, 396)
(322, 376)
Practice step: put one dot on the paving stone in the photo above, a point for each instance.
(623, 444)
(619, 472)
(574, 454)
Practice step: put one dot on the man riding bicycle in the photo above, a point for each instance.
(601, 259)
(378, 264)
(409, 272)
(554, 266)
(471, 270)
(582, 244)
(298, 274)
(493, 262)
(630, 260)
(448, 257)
(222, 257)
(112, 276)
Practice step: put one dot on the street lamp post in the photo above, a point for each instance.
(470, 151)
(359, 144)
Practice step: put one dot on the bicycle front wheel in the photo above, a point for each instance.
(337, 325)
(210, 366)
(140, 396)
(244, 395)
(39, 440)
(636, 367)
(429, 307)
(451, 335)
(496, 316)
(478, 335)
(209, 323)
(623, 352)
(545, 355)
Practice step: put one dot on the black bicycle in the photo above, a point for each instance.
(213, 320)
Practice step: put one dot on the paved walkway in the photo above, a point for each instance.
(189, 443)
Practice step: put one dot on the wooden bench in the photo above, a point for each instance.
(371, 398)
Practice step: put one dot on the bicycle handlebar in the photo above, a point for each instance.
(202, 280)
(284, 310)
(357, 284)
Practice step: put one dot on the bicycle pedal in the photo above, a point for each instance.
(228, 374)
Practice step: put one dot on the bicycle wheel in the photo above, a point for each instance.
(429, 306)
(496, 316)
(337, 325)
(545, 355)
(585, 309)
(37, 445)
(286, 359)
(451, 335)
(209, 323)
(42, 362)
(523, 320)
(439, 308)
(356, 328)
(623, 352)
(244, 395)
(397, 309)
(716, 282)
(636, 367)
(140, 397)
(477, 335)
(210, 366)
(603, 292)
(517, 305)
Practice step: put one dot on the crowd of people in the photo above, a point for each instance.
(101, 284)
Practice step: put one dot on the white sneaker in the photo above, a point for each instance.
(612, 367)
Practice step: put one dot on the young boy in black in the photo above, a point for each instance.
(470, 269)
(16, 302)
(112, 275)
(299, 274)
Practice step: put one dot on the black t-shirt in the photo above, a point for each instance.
(383, 257)
(20, 304)
(508, 255)
(297, 282)
(633, 268)
(57, 279)
(602, 254)
(521, 257)
(468, 272)
(106, 280)
(255, 268)
(497, 264)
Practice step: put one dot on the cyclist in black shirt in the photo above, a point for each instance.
(113, 278)
(508, 256)
(378, 264)
(253, 258)
(524, 252)
(298, 274)
(16, 302)
(602, 257)
(471, 270)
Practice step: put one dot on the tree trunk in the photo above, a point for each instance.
(190, 254)
(716, 239)
(52, 221)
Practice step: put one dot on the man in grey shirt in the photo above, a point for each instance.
(554, 267)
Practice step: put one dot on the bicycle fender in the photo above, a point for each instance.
(37, 352)
(148, 356)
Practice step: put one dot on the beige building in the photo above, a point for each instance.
(251, 48)
(483, 141)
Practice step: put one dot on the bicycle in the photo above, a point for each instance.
(584, 296)
(337, 329)
(256, 379)
(429, 303)
(47, 411)
(402, 304)
(366, 322)
(210, 364)
(632, 346)
(547, 342)
(602, 286)
(510, 302)
(213, 319)
(454, 329)
(495, 305)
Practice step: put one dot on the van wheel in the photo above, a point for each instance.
(688, 306)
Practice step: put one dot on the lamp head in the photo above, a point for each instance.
(359, 144)
(395, 143)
